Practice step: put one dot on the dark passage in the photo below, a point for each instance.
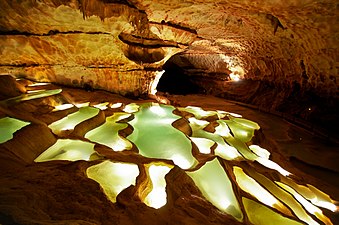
(175, 81)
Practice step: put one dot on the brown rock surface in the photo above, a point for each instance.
(282, 42)
(9, 87)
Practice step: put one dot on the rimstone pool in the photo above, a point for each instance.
(213, 148)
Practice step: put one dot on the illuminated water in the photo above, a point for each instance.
(107, 134)
(156, 138)
(8, 126)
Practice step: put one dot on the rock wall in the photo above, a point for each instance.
(120, 45)
(102, 44)
(285, 53)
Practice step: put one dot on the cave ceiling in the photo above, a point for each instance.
(108, 43)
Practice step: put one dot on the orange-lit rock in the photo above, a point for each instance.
(279, 56)
(78, 43)
(271, 41)
(9, 87)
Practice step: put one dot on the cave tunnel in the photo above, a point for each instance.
(175, 81)
(136, 112)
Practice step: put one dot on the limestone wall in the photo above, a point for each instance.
(280, 42)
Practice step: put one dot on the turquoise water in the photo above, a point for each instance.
(215, 185)
(69, 122)
(8, 126)
(33, 95)
(67, 149)
(107, 134)
(155, 136)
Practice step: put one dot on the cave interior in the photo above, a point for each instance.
(182, 112)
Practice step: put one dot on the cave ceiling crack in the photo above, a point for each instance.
(50, 33)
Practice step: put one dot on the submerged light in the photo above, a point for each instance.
(222, 178)
(67, 149)
(249, 185)
(216, 187)
(113, 177)
(116, 105)
(69, 122)
(8, 126)
(307, 205)
(155, 137)
(101, 106)
(108, 133)
(157, 197)
(38, 84)
(259, 214)
(62, 107)
(204, 145)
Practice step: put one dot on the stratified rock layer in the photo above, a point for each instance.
(97, 44)
(276, 41)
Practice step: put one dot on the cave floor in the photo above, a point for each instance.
(300, 148)
(59, 193)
